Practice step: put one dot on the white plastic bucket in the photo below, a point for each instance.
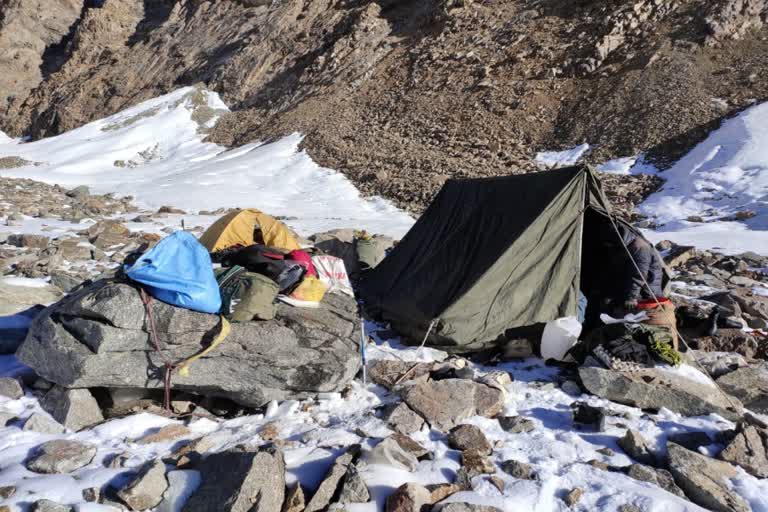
(558, 337)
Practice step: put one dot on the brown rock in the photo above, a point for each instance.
(573, 497)
(408, 498)
(469, 437)
(165, 434)
(476, 463)
(294, 499)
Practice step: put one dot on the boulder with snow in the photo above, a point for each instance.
(704, 480)
(98, 337)
(446, 403)
(652, 388)
(750, 385)
(749, 449)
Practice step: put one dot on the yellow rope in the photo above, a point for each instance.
(223, 333)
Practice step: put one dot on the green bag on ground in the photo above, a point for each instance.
(246, 296)
(372, 250)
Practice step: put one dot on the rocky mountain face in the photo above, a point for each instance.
(401, 94)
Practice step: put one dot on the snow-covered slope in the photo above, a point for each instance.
(724, 183)
(154, 151)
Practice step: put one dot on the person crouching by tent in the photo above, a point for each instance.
(641, 280)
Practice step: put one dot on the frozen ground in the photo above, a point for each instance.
(321, 429)
(170, 165)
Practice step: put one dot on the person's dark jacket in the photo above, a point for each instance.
(650, 265)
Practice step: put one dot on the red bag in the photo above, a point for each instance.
(303, 259)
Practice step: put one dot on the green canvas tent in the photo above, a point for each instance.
(493, 254)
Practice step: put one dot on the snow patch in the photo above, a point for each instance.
(724, 182)
(155, 152)
(555, 159)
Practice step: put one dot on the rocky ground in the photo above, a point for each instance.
(400, 95)
(432, 430)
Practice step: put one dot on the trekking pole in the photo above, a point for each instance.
(362, 349)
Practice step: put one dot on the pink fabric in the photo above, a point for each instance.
(303, 259)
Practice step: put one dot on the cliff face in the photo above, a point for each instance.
(400, 94)
(31, 32)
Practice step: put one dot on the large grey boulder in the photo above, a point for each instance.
(240, 481)
(76, 409)
(750, 385)
(652, 388)
(98, 337)
(446, 403)
(704, 480)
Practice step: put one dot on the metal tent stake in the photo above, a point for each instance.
(362, 350)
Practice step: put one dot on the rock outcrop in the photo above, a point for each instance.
(98, 337)
(653, 389)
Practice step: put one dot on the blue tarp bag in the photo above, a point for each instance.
(178, 271)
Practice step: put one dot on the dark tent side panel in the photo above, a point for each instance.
(536, 279)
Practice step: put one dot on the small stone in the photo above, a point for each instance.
(606, 451)
(76, 409)
(410, 446)
(146, 489)
(635, 445)
(403, 419)
(391, 453)
(39, 422)
(585, 414)
(49, 506)
(165, 434)
(469, 437)
(11, 388)
(61, 456)
(516, 424)
(571, 387)
(270, 432)
(438, 492)
(294, 499)
(476, 463)
(598, 464)
(573, 497)
(91, 494)
(7, 491)
(79, 192)
(660, 477)
(408, 498)
(353, 487)
(518, 469)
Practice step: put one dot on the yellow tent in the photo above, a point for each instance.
(238, 227)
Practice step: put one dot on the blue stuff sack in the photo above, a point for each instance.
(178, 271)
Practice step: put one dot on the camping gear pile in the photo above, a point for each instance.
(261, 261)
